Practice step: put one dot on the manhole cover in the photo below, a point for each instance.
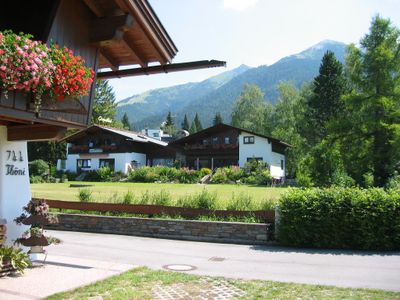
(216, 258)
(182, 268)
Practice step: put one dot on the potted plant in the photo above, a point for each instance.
(36, 214)
(13, 260)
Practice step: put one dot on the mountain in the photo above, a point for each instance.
(157, 102)
(219, 93)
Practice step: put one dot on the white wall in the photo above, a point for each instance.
(275, 165)
(122, 160)
(14, 189)
(261, 148)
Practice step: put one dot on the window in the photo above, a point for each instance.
(156, 134)
(248, 140)
(83, 164)
(227, 140)
(63, 164)
(254, 158)
(205, 142)
(109, 163)
(215, 140)
(282, 166)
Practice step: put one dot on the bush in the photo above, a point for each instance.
(205, 171)
(128, 198)
(105, 173)
(162, 198)
(241, 202)
(352, 218)
(85, 195)
(38, 168)
(36, 179)
(220, 176)
(188, 176)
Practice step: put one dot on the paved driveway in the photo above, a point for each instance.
(339, 268)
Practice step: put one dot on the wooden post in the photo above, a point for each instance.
(197, 163)
(212, 163)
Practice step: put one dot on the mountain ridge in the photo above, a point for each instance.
(221, 91)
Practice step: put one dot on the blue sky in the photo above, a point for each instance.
(253, 32)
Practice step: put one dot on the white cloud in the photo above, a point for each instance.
(239, 5)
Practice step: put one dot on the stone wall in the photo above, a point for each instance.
(224, 232)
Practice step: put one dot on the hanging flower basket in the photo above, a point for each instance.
(46, 72)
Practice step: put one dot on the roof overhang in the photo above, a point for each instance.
(128, 32)
(195, 65)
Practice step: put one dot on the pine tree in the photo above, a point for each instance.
(125, 122)
(193, 128)
(104, 106)
(325, 105)
(185, 124)
(217, 119)
(197, 121)
(169, 121)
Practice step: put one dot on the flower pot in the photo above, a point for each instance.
(36, 250)
(34, 241)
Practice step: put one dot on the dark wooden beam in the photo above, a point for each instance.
(35, 132)
(94, 8)
(162, 69)
(105, 29)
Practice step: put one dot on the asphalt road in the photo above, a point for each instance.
(326, 267)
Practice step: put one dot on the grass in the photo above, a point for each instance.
(115, 192)
(138, 283)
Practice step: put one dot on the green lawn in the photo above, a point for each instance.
(141, 283)
(114, 192)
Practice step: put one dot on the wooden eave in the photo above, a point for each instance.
(186, 66)
(128, 32)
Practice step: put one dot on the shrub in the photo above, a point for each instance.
(188, 176)
(128, 198)
(105, 174)
(162, 198)
(205, 171)
(38, 168)
(340, 218)
(394, 182)
(241, 202)
(205, 200)
(18, 259)
(36, 179)
(85, 195)
(220, 176)
(71, 175)
(92, 176)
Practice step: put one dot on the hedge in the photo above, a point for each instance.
(345, 218)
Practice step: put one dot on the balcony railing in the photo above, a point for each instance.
(211, 147)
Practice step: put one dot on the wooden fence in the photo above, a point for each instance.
(266, 215)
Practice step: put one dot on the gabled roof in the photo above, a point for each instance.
(134, 136)
(221, 127)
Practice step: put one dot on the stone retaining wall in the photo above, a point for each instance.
(225, 232)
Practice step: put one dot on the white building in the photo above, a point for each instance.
(225, 145)
(121, 150)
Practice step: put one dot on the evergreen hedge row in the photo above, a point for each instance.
(351, 218)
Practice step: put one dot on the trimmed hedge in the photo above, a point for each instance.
(343, 218)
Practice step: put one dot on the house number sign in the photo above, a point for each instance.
(12, 157)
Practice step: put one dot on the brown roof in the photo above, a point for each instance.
(221, 127)
(128, 32)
